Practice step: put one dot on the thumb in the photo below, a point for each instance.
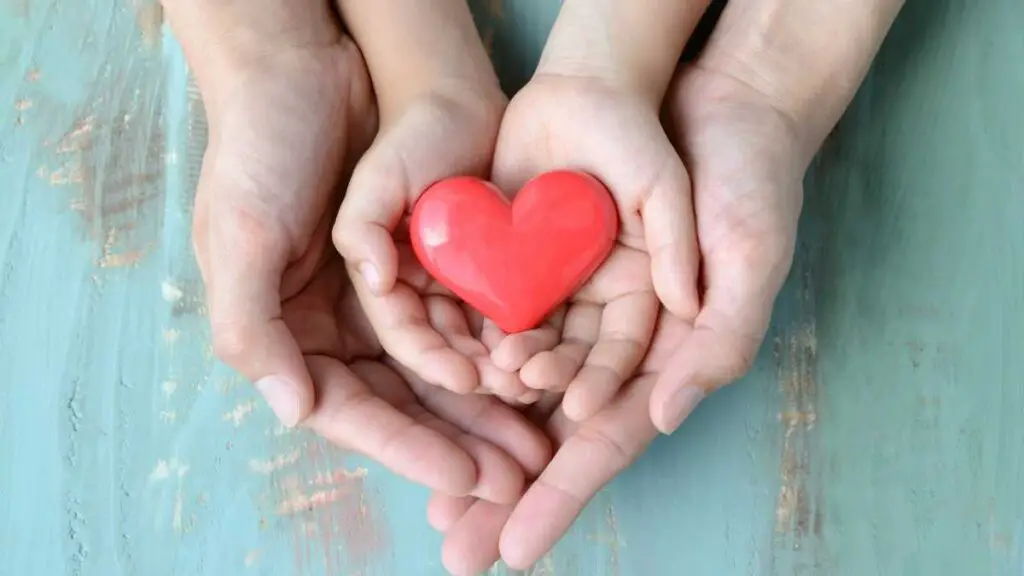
(671, 239)
(246, 258)
(724, 341)
(435, 138)
(373, 206)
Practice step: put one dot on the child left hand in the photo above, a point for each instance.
(588, 124)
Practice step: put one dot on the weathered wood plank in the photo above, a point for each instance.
(879, 433)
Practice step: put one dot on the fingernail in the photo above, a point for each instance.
(282, 398)
(370, 275)
(680, 406)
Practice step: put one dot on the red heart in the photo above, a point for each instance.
(515, 261)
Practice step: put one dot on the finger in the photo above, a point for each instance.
(627, 324)
(490, 334)
(515, 350)
(448, 319)
(244, 300)
(726, 335)
(483, 417)
(499, 478)
(555, 369)
(671, 239)
(444, 510)
(349, 415)
(400, 321)
(376, 198)
(412, 273)
(433, 139)
(602, 447)
(471, 544)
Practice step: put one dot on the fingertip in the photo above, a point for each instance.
(499, 478)
(291, 402)
(576, 404)
(672, 403)
(471, 546)
(444, 510)
(676, 288)
(513, 551)
(370, 248)
(450, 370)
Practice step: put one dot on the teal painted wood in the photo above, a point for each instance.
(880, 432)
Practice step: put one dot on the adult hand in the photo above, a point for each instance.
(746, 167)
(368, 402)
(289, 106)
(749, 115)
(588, 456)
(746, 161)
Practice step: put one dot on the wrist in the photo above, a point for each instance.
(414, 48)
(628, 46)
(805, 59)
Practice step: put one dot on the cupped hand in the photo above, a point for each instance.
(746, 160)
(368, 402)
(289, 106)
(746, 163)
(444, 128)
(588, 456)
(592, 347)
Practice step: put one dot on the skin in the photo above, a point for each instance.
(440, 106)
(746, 119)
(290, 109)
(606, 67)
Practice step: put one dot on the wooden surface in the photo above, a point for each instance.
(881, 432)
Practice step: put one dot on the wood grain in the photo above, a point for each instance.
(879, 433)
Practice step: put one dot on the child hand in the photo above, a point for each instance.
(440, 108)
(614, 134)
(593, 105)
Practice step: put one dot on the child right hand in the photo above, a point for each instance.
(440, 107)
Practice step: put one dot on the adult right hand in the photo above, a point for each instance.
(290, 109)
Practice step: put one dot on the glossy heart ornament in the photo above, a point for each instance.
(515, 261)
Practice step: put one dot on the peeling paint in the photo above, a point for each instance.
(799, 502)
(169, 387)
(149, 17)
(252, 558)
(334, 519)
(165, 469)
(240, 412)
(112, 154)
(276, 463)
(170, 292)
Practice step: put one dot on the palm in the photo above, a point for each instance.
(601, 447)
(285, 131)
(746, 169)
(592, 346)
(368, 402)
(281, 131)
(747, 180)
